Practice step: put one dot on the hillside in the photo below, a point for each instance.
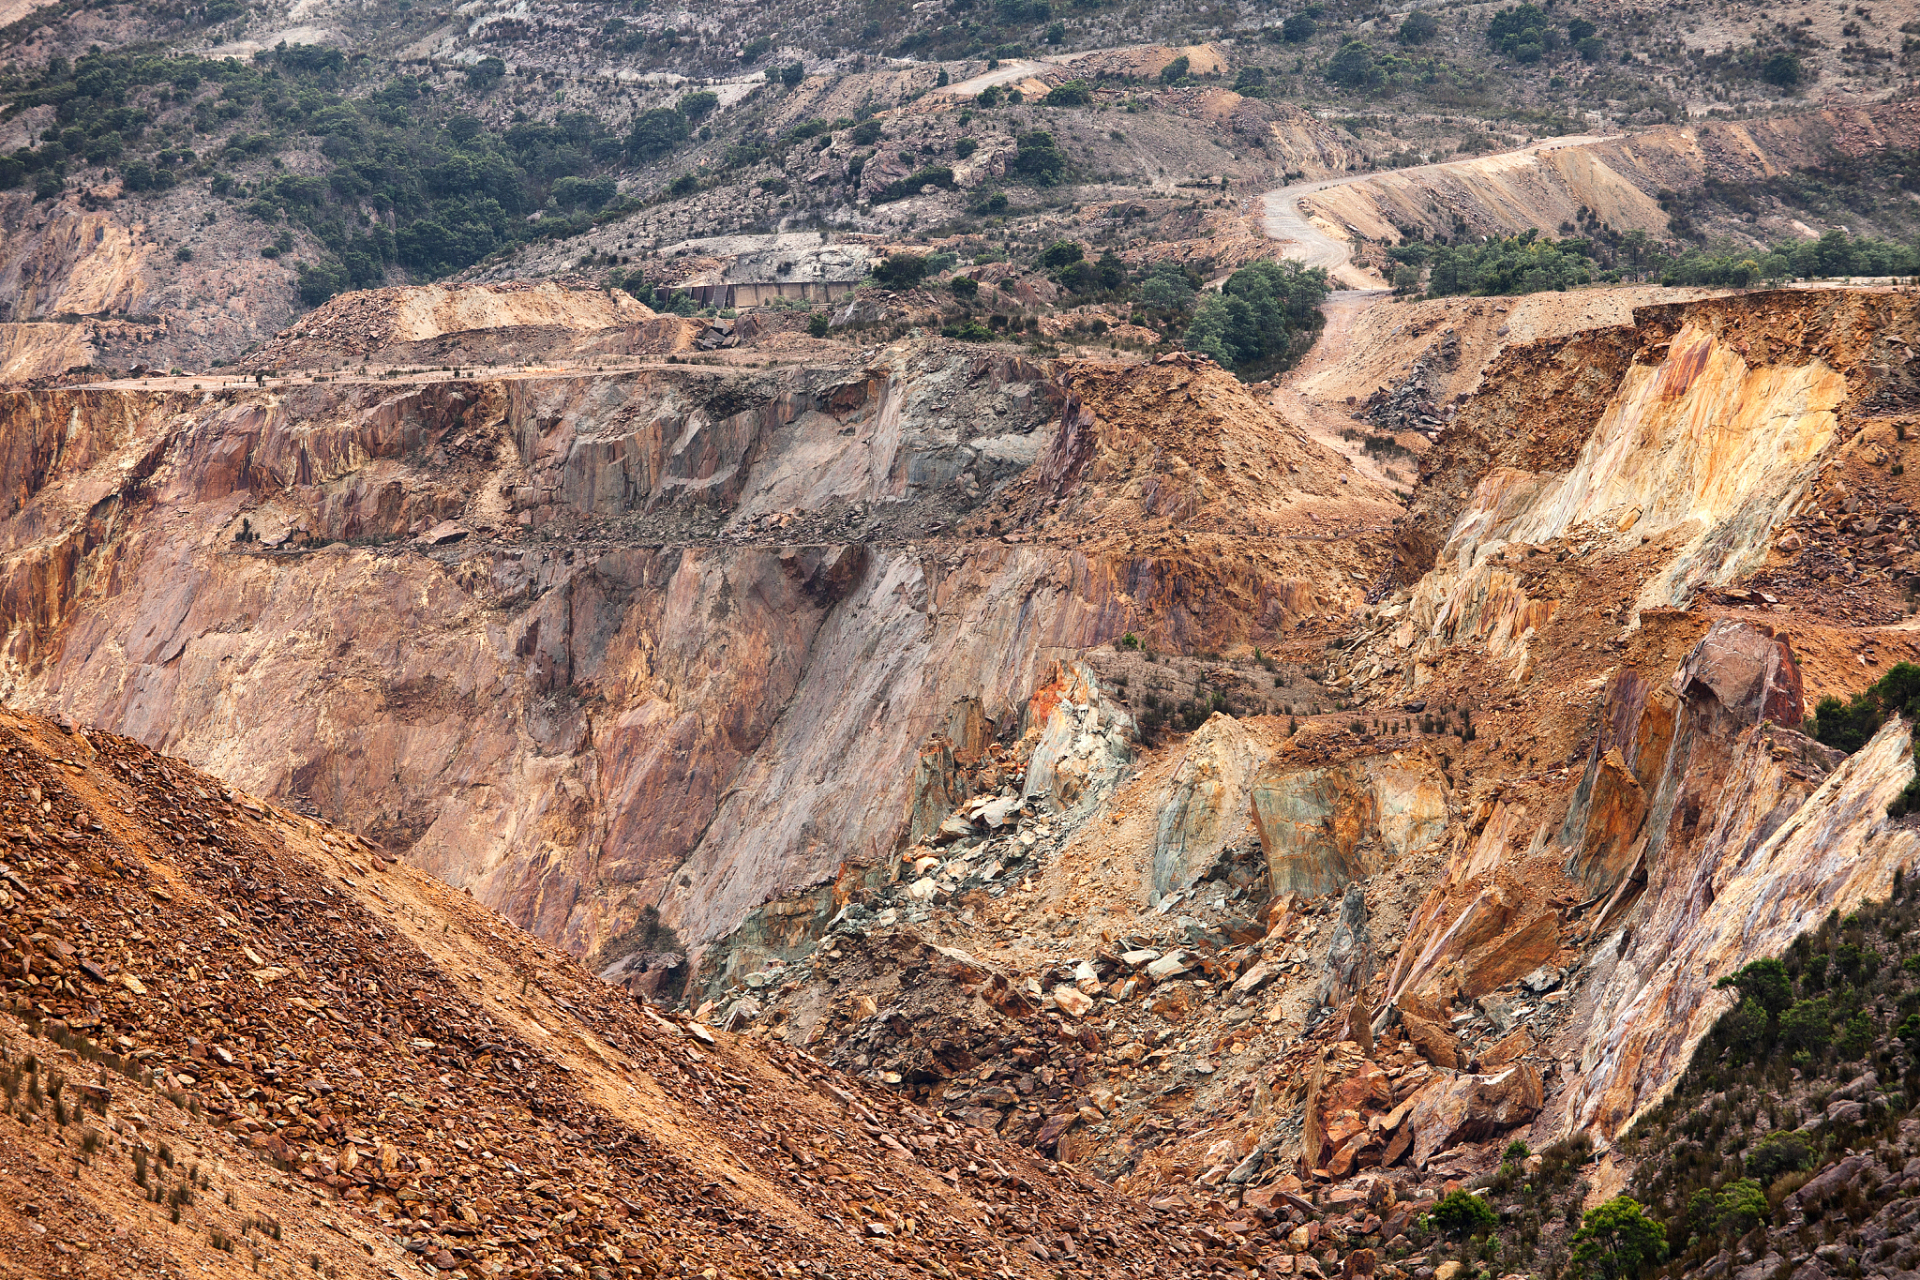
(177, 188)
(241, 1042)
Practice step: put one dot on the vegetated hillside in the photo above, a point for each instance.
(239, 1042)
(1787, 1146)
(178, 192)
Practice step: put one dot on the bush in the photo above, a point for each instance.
(792, 74)
(1061, 253)
(1765, 982)
(698, 106)
(1353, 65)
(900, 270)
(865, 134)
(1462, 1214)
(486, 73)
(1418, 27)
(1617, 1241)
(1038, 160)
(1523, 34)
(1778, 1152)
(1267, 315)
(1299, 28)
(1167, 288)
(1074, 93)
(656, 132)
(1521, 264)
(818, 324)
(1740, 1208)
(321, 281)
(1808, 1024)
(964, 287)
(1175, 70)
(584, 193)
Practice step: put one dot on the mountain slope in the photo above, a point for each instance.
(235, 1026)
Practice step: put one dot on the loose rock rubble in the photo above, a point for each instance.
(302, 1050)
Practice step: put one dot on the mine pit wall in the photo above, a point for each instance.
(1702, 428)
(1705, 830)
(575, 730)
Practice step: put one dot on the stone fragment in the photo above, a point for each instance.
(1471, 1108)
(1434, 1042)
(1171, 965)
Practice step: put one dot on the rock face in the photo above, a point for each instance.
(1679, 432)
(1207, 803)
(1084, 745)
(1643, 763)
(1787, 842)
(1324, 827)
(691, 652)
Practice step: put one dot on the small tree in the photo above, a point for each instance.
(1462, 1214)
(1765, 982)
(1616, 1241)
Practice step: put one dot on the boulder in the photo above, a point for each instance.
(1350, 954)
(1748, 670)
(1345, 1092)
(1470, 1108)
(1072, 1001)
(1171, 965)
(1434, 1042)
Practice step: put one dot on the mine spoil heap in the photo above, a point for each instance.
(243, 1042)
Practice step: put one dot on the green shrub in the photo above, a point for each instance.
(900, 270)
(1418, 27)
(1039, 160)
(1267, 315)
(1520, 264)
(1616, 1241)
(1462, 1214)
(1776, 1153)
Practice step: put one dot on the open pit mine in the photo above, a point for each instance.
(514, 778)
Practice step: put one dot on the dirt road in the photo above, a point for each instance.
(1304, 242)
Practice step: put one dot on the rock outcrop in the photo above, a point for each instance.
(592, 646)
(1207, 804)
(1324, 827)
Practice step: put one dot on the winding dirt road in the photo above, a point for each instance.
(1303, 241)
